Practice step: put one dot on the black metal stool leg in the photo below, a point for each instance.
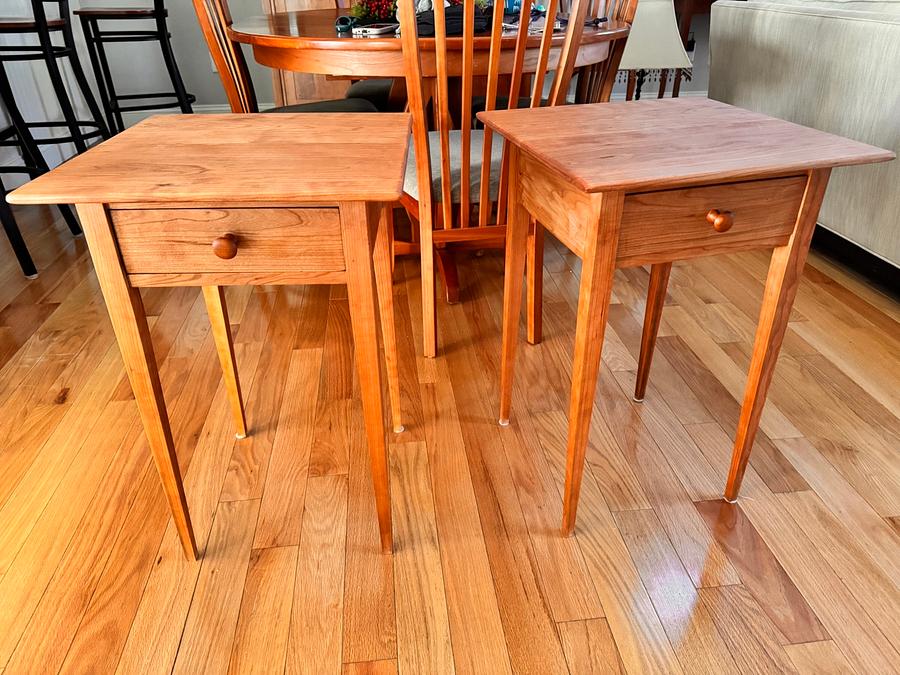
(15, 237)
(104, 80)
(81, 80)
(169, 57)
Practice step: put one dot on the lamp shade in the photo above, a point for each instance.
(654, 41)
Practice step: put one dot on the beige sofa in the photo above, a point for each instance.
(829, 64)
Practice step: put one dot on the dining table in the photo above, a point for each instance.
(306, 41)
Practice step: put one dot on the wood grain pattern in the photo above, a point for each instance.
(320, 158)
(590, 647)
(257, 648)
(747, 144)
(96, 574)
(671, 225)
(173, 241)
(761, 573)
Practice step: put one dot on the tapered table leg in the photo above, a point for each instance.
(785, 271)
(656, 298)
(126, 312)
(534, 294)
(516, 240)
(384, 285)
(597, 270)
(358, 229)
(218, 318)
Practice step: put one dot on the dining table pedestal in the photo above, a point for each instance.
(649, 183)
(241, 200)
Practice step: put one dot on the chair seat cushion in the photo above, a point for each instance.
(355, 105)
(411, 185)
(376, 90)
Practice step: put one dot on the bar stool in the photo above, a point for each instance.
(17, 135)
(80, 131)
(113, 103)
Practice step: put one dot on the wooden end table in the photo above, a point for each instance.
(651, 182)
(213, 200)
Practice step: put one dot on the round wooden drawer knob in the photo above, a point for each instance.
(720, 220)
(225, 246)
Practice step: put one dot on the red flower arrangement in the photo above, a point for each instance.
(374, 10)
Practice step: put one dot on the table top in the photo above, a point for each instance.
(663, 143)
(314, 28)
(288, 158)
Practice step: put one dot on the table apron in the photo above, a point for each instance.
(668, 225)
(389, 63)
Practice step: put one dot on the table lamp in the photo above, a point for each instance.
(654, 41)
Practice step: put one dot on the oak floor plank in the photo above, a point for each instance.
(155, 631)
(423, 624)
(35, 563)
(847, 505)
(281, 507)
(247, 470)
(697, 643)
(761, 573)
(638, 632)
(211, 622)
(260, 640)
(590, 648)
(766, 459)
(703, 558)
(478, 639)
(858, 637)
(531, 636)
(818, 658)
(370, 631)
(754, 641)
(865, 580)
(314, 640)
(382, 667)
(773, 421)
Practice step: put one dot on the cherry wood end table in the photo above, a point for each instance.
(652, 182)
(215, 200)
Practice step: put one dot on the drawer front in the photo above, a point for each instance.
(677, 225)
(180, 241)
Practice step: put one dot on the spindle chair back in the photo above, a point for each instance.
(446, 208)
(215, 18)
(595, 82)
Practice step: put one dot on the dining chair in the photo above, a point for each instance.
(377, 90)
(456, 184)
(595, 85)
(215, 18)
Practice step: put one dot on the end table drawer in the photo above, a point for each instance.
(189, 241)
(691, 222)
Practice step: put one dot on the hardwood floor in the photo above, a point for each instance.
(661, 576)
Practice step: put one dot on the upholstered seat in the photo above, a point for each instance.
(376, 90)
(411, 185)
(354, 105)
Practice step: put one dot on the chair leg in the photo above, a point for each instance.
(165, 45)
(100, 67)
(534, 292)
(429, 315)
(449, 274)
(15, 237)
(656, 298)
(214, 296)
(785, 271)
